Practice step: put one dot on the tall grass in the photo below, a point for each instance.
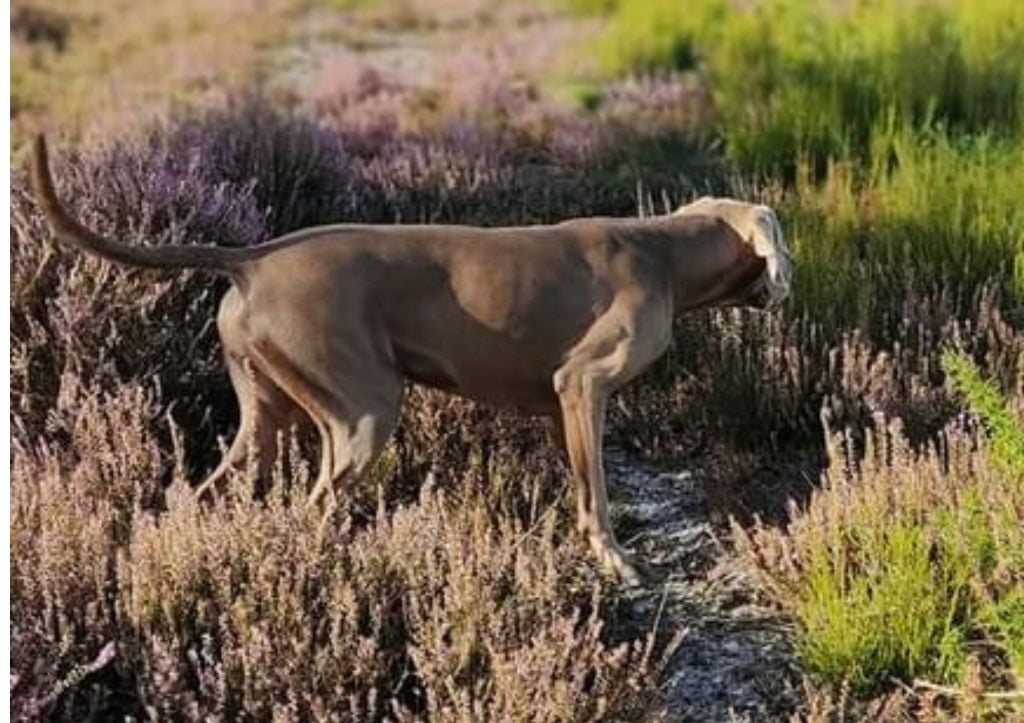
(792, 76)
(927, 206)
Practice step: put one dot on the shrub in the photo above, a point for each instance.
(453, 606)
(901, 562)
(300, 173)
(446, 603)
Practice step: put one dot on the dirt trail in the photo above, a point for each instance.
(735, 661)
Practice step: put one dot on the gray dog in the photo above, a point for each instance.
(323, 325)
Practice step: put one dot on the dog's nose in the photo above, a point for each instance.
(763, 300)
(758, 296)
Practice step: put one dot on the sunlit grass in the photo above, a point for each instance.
(929, 208)
(908, 564)
(792, 76)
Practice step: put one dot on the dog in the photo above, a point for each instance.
(326, 324)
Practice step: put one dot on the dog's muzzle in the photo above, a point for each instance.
(768, 292)
(757, 295)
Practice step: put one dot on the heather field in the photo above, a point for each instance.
(835, 488)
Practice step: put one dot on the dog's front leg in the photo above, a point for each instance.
(583, 416)
(619, 346)
(581, 487)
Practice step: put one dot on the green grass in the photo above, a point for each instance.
(914, 564)
(792, 76)
(894, 617)
(930, 209)
(983, 397)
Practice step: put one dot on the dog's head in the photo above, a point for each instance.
(759, 228)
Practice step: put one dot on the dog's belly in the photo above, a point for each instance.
(499, 381)
(505, 359)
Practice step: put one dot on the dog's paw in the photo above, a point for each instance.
(625, 567)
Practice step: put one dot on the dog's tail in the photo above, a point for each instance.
(68, 230)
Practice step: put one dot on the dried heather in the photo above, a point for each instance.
(448, 606)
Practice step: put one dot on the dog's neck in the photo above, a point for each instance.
(706, 262)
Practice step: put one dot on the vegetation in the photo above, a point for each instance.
(906, 559)
(792, 77)
(890, 134)
(867, 438)
(464, 603)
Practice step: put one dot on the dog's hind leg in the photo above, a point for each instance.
(356, 435)
(264, 413)
(355, 413)
(265, 410)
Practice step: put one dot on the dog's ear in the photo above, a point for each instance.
(768, 243)
(692, 205)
